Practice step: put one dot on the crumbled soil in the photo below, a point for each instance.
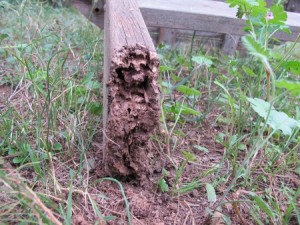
(147, 204)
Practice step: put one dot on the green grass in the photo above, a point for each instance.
(254, 154)
(51, 60)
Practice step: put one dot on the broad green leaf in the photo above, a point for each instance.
(260, 106)
(232, 140)
(93, 85)
(81, 100)
(90, 83)
(189, 156)
(202, 60)
(263, 205)
(165, 68)
(201, 148)
(220, 138)
(189, 187)
(187, 91)
(184, 109)
(246, 6)
(255, 48)
(189, 111)
(80, 91)
(12, 151)
(163, 186)
(281, 121)
(285, 29)
(293, 67)
(292, 86)
(242, 147)
(165, 172)
(280, 16)
(258, 11)
(57, 146)
(95, 108)
(248, 71)
(277, 120)
(248, 3)
(211, 193)
(3, 36)
(175, 78)
(18, 160)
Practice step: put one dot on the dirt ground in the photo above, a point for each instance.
(5, 92)
(147, 204)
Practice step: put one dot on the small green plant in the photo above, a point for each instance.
(162, 183)
(276, 120)
(187, 157)
(272, 136)
(262, 24)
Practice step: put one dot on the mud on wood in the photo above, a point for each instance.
(133, 110)
(131, 94)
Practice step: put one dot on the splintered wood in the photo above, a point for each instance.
(131, 94)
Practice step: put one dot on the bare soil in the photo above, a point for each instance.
(147, 204)
(5, 92)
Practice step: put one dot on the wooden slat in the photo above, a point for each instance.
(230, 44)
(131, 95)
(93, 11)
(197, 15)
(204, 15)
(293, 5)
(167, 36)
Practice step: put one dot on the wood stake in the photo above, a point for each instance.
(130, 92)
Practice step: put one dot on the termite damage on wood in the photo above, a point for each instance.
(133, 111)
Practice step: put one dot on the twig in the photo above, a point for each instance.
(191, 211)
(177, 209)
(36, 201)
(236, 208)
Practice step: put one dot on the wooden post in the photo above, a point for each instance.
(130, 92)
(94, 11)
(293, 5)
(230, 44)
(167, 36)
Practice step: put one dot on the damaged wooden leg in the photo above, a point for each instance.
(131, 94)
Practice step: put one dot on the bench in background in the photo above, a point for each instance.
(171, 17)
